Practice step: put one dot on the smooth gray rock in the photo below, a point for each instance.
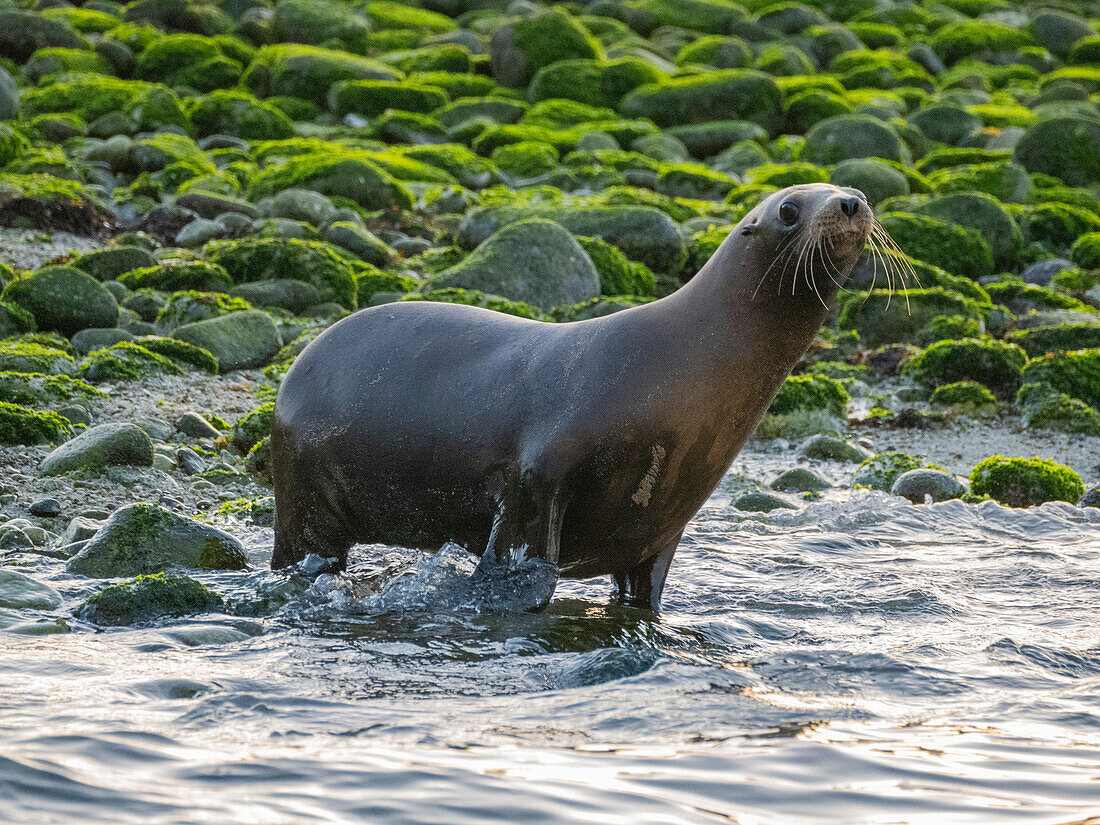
(196, 233)
(20, 591)
(144, 538)
(1091, 498)
(196, 426)
(104, 445)
(302, 205)
(1043, 272)
(240, 340)
(91, 339)
(917, 485)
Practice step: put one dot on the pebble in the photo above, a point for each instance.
(45, 508)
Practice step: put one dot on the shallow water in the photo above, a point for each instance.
(861, 660)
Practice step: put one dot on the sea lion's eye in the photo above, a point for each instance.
(788, 213)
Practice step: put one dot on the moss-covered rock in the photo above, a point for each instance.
(643, 233)
(253, 427)
(234, 112)
(109, 263)
(880, 471)
(24, 32)
(321, 22)
(14, 320)
(55, 61)
(180, 352)
(91, 96)
(961, 250)
(526, 159)
(125, 361)
(730, 94)
(474, 298)
(1058, 225)
(188, 306)
(853, 136)
(992, 363)
(594, 82)
(1065, 147)
(261, 259)
(1075, 373)
(1037, 341)
(23, 356)
(810, 392)
(241, 340)
(147, 598)
(618, 274)
(63, 299)
(355, 175)
(964, 396)
(19, 425)
(984, 214)
(143, 538)
(177, 276)
(1046, 408)
(38, 389)
(518, 50)
(1023, 482)
(187, 60)
(881, 317)
(370, 98)
(874, 178)
(534, 261)
(104, 445)
(308, 72)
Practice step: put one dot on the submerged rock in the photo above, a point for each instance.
(104, 445)
(20, 591)
(799, 480)
(144, 538)
(146, 598)
(761, 502)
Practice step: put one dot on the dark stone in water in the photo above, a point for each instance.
(799, 480)
(45, 508)
(1091, 498)
(919, 485)
(761, 502)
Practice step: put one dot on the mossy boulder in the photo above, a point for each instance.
(518, 50)
(1045, 408)
(1038, 341)
(253, 427)
(1057, 31)
(308, 72)
(39, 389)
(103, 445)
(947, 245)
(321, 22)
(370, 98)
(315, 263)
(1085, 251)
(1023, 482)
(241, 340)
(875, 179)
(180, 352)
(964, 396)
(64, 299)
(853, 136)
(234, 112)
(1057, 226)
(176, 276)
(594, 82)
(91, 96)
(880, 317)
(534, 261)
(147, 598)
(27, 356)
(728, 94)
(976, 39)
(188, 306)
(1075, 373)
(54, 61)
(618, 274)
(526, 159)
(143, 538)
(24, 32)
(984, 214)
(1065, 147)
(109, 263)
(187, 60)
(880, 471)
(125, 361)
(992, 363)
(1004, 180)
(19, 425)
(945, 123)
(643, 233)
(810, 392)
(14, 320)
(361, 242)
(354, 175)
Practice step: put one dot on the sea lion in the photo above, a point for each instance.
(588, 444)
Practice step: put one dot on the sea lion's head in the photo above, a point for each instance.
(806, 239)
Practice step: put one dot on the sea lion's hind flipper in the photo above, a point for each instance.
(642, 585)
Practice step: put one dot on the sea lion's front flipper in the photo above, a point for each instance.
(642, 585)
(524, 542)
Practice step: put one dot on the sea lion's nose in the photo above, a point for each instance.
(849, 206)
